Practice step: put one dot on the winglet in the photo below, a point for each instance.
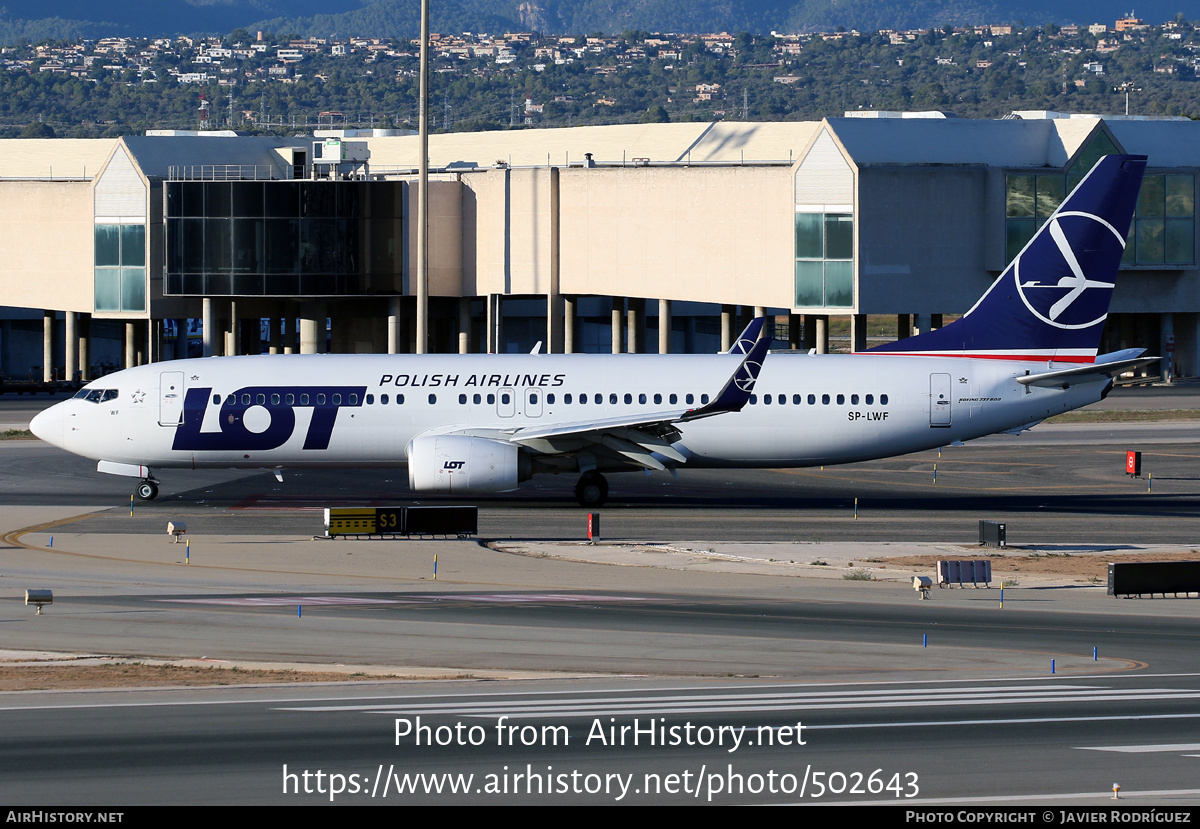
(747, 338)
(737, 390)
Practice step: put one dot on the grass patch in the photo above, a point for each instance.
(1123, 416)
(17, 434)
(858, 575)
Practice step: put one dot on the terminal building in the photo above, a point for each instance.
(651, 237)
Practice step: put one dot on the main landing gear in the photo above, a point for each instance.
(147, 490)
(592, 490)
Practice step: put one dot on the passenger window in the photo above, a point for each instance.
(612, 400)
(854, 400)
(550, 399)
(825, 400)
(883, 400)
(354, 400)
(476, 399)
(704, 399)
(260, 400)
(337, 400)
(689, 399)
(641, 398)
(533, 397)
(216, 397)
(505, 399)
(432, 399)
(399, 399)
(303, 399)
(753, 399)
(841, 400)
(245, 400)
(567, 398)
(290, 399)
(491, 399)
(383, 398)
(583, 398)
(796, 400)
(274, 400)
(320, 400)
(673, 399)
(628, 399)
(599, 398)
(812, 400)
(870, 399)
(462, 400)
(370, 399)
(657, 399)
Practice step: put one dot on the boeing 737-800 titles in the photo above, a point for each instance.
(462, 424)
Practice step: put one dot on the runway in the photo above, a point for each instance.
(1046, 700)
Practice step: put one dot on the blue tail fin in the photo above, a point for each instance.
(1049, 305)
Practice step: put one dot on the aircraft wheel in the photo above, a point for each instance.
(592, 490)
(147, 490)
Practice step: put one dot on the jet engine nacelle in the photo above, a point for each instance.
(458, 463)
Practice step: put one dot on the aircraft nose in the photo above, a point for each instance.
(49, 425)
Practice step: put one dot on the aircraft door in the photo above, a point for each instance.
(533, 402)
(506, 402)
(939, 400)
(170, 398)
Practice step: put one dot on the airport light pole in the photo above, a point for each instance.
(423, 191)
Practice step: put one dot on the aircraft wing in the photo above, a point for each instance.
(1106, 366)
(635, 438)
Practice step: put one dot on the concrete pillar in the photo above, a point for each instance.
(903, 326)
(70, 346)
(130, 345)
(393, 325)
(821, 324)
(617, 308)
(312, 328)
(794, 332)
(464, 325)
(495, 318)
(208, 326)
(858, 333)
(85, 340)
(181, 338)
(569, 315)
(635, 318)
(727, 332)
(231, 347)
(664, 326)
(1166, 334)
(810, 332)
(156, 345)
(274, 337)
(48, 346)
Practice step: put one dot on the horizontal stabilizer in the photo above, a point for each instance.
(1067, 377)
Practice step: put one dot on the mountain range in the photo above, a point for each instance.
(68, 19)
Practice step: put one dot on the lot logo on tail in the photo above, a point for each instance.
(1055, 287)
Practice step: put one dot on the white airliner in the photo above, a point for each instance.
(485, 423)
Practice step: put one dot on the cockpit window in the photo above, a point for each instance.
(96, 395)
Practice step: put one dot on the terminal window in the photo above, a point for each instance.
(824, 260)
(120, 268)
